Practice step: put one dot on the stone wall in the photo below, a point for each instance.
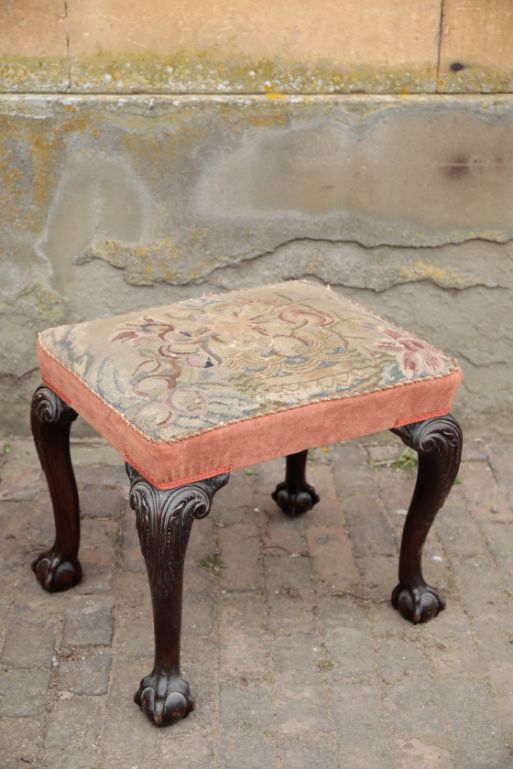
(243, 46)
(145, 158)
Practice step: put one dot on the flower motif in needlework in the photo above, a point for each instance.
(413, 355)
(258, 337)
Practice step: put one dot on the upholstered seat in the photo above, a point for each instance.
(203, 386)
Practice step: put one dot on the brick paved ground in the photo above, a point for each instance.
(293, 651)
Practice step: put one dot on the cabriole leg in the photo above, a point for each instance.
(164, 520)
(438, 442)
(294, 495)
(57, 568)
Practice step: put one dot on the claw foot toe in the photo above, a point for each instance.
(417, 604)
(165, 700)
(295, 503)
(55, 573)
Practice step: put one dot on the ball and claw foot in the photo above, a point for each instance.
(55, 573)
(417, 604)
(165, 700)
(294, 504)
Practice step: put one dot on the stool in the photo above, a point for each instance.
(189, 391)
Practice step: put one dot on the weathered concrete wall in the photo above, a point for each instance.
(243, 46)
(111, 203)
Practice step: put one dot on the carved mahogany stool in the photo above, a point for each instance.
(192, 390)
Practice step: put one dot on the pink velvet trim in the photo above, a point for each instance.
(244, 443)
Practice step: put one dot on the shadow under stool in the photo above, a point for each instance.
(189, 391)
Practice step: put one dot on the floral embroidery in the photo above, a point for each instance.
(414, 354)
(180, 369)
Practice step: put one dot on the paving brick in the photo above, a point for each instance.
(96, 453)
(38, 516)
(483, 593)
(499, 538)
(450, 643)
(132, 558)
(435, 563)
(264, 481)
(198, 614)
(351, 470)
(266, 476)
(298, 754)
(484, 497)
(400, 659)
(200, 667)
(240, 550)
(475, 725)
(424, 716)
(133, 635)
(246, 706)
(245, 749)
(99, 540)
(198, 575)
(23, 692)
(361, 737)
(126, 736)
(96, 580)
(376, 537)
(6, 610)
(98, 555)
(500, 460)
(395, 488)
(85, 674)
(20, 742)
(284, 536)
(422, 753)
(500, 675)
(503, 707)
(290, 595)
(349, 641)
(459, 532)
(132, 591)
(235, 503)
(21, 483)
(91, 624)
(348, 459)
(28, 644)
(474, 450)
(201, 541)
(332, 558)
(378, 577)
(328, 511)
(74, 728)
(381, 454)
(301, 667)
(17, 539)
(244, 643)
(98, 500)
(300, 706)
(103, 476)
(299, 655)
(173, 752)
(245, 713)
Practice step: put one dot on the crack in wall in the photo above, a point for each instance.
(10, 379)
(440, 42)
(249, 257)
(375, 246)
(452, 266)
(496, 362)
(68, 47)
